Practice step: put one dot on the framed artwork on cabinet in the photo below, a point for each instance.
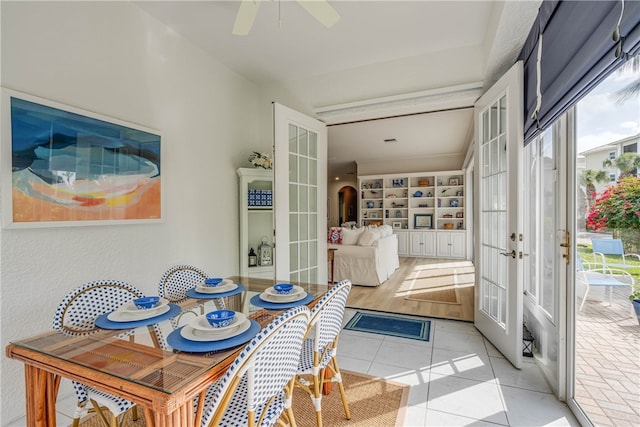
(454, 181)
(397, 225)
(423, 221)
(64, 166)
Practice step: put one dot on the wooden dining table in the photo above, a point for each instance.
(163, 383)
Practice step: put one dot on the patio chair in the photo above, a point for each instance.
(75, 316)
(599, 277)
(603, 247)
(319, 352)
(254, 390)
(174, 284)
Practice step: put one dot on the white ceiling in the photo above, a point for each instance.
(397, 47)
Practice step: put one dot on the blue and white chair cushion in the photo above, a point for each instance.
(75, 316)
(320, 351)
(174, 284)
(258, 376)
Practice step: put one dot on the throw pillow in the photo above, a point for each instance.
(335, 235)
(368, 237)
(351, 236)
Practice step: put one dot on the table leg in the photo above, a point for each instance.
(181, 417)
(41, 389)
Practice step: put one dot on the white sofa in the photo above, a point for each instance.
(366, 256)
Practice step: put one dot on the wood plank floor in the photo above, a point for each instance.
(390, 296)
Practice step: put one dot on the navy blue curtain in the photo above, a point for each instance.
(578, 52)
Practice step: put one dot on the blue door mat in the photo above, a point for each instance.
(394, 326)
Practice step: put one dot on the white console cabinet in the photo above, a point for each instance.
(422, 244)
(450, 244)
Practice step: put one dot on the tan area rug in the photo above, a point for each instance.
(439, 282)
(372, 402)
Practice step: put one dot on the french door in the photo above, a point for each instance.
(300, 185)
(498, 212)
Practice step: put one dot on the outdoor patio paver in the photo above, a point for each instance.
(608, 361)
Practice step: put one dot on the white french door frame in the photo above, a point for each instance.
(498, 214)
(300, 218)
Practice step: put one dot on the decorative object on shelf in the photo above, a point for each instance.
(454, 181)
(422, 221)
(447, 215)
(423, 182)
(429, 194)
(439, 202)
(397, 182)
(448, 226)
(459, 226)
(265, 253)
(417, 194)
(453, 203)
(439, 182)
(260, 160)
(260, 197)
(398, 214)
(405, 193)
(386, 213)
(459, 215)
(459, 193)
(381, 204)
(397, 225)
(423, 205)
(397, 205)
(374, 215)
(369, 205)
(253, 258)
(377, 185)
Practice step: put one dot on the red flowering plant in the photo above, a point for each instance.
(617, 208)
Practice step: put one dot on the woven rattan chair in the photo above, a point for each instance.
(319, 352)
(255, 389)
(75, 316)
(174, 284)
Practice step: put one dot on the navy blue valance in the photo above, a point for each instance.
(578, 52)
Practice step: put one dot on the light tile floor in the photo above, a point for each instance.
(457, 379)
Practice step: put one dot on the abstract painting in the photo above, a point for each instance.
(66, 166)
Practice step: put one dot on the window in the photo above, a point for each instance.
(612, 177)
(612, 155)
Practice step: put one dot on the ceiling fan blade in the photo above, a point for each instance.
(322, 11)
(245, 17)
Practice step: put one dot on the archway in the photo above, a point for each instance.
(347, 205)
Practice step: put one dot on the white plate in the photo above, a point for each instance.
(130, 307)
(201, 323)
(131, 316)
(189, 333)
(216, 289)
(283, 298)
(296, 290)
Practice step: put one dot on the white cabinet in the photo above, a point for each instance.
(256, 218)
(403, 242)
(450, 244)
(422, 243)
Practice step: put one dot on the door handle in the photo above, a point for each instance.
(512, 254)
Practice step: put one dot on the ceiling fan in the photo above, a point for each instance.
(319, 9)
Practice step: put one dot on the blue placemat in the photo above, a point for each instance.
(178, 342)
(192, 293)
(104, 323)
(255, 300)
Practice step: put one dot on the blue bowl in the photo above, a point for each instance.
(213, 281)
(220, 318)
(146, 303)
(283, 288)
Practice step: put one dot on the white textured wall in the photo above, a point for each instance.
(112, 58)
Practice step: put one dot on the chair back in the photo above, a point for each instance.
(177, 280)
(327, 315)
(268, 363)
(78, 311)
(608, 246)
